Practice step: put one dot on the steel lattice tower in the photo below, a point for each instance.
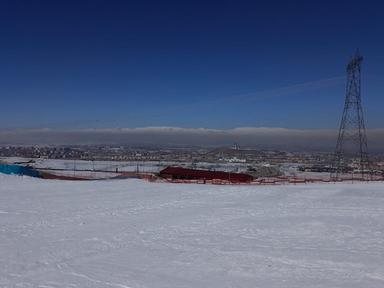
(351, 147)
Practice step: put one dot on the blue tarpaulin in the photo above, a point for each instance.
(18, 170)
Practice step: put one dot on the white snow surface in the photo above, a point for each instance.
(132, 233)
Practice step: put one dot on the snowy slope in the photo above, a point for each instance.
(130, 233)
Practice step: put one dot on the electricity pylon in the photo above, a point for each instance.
(351, 153)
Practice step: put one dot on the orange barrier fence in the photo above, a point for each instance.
(263, 181)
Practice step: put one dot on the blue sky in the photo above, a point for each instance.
(212, 64)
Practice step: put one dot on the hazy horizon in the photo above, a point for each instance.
(257, 137)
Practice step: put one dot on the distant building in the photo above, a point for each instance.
(236, 160)
(236, 146)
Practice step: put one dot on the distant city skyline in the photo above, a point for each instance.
(190, 64)
(250, 137)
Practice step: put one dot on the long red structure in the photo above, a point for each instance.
(196, 174)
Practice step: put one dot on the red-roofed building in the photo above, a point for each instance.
(195, 174)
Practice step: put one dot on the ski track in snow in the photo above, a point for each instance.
(135, 234)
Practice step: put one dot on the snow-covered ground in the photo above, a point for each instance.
(131, 233)
(123, 166)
